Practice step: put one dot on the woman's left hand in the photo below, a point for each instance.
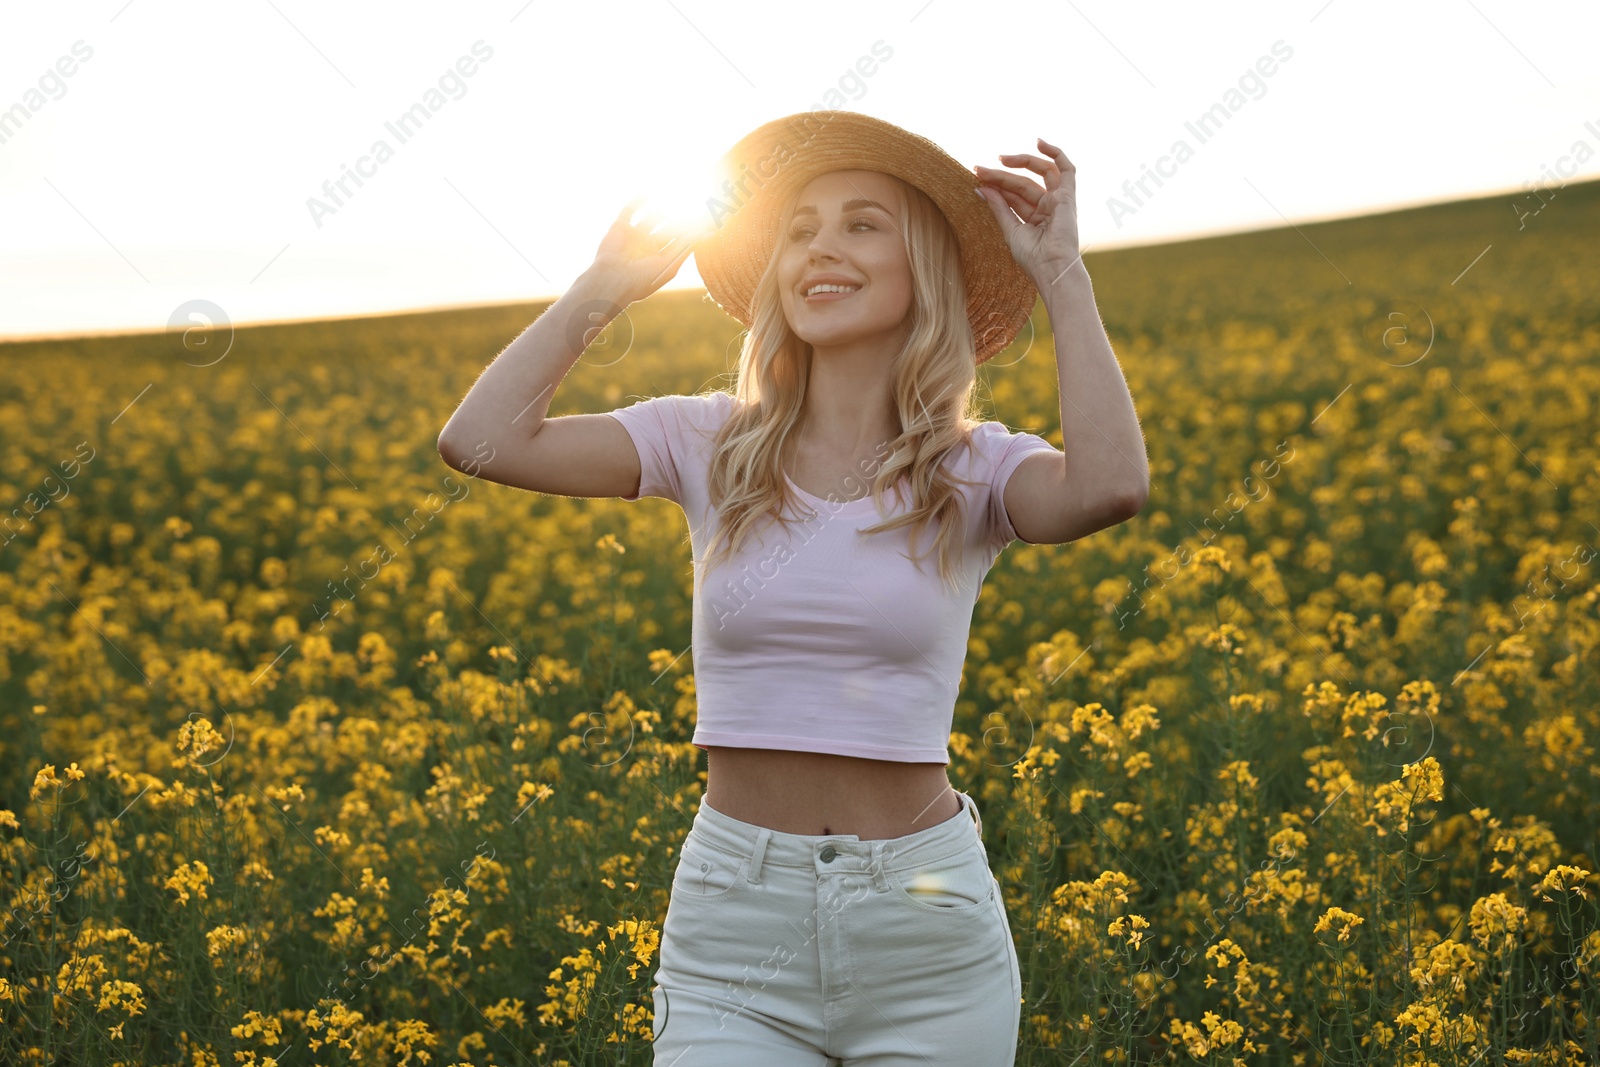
(1040, 225)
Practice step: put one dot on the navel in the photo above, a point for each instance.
(826, 831)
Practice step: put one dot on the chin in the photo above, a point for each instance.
(830, 338)
(842, 333)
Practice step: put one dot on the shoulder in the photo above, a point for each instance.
(707, 407)
(991, 444)
(708, 411)
(983, 437)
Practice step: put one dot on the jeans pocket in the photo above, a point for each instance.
(705, 872)
(960, 883)
(659, 1011)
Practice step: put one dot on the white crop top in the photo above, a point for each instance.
(820, 639)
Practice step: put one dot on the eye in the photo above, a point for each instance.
(798, 231)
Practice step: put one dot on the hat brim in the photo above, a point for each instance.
(776, 160)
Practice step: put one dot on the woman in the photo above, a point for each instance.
(833, 898)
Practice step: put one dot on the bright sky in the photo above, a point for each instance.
(155, 152)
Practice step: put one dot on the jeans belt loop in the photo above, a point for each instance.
(759, 854)
(880, 880)
(972, 809)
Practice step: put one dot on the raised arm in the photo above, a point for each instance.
(499, 431)
(1102, 477)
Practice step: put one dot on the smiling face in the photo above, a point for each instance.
(845, 228)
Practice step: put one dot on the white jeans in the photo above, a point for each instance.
(784, 950)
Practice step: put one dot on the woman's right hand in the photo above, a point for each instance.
(637, 261)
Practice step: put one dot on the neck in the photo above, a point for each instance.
(849, 406)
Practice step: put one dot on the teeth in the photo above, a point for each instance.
(815, 289)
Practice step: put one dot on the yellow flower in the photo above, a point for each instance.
(1238, 772)
(531, 791)
(46, 779)
(1563, 879)
(506, 1011)
(1431, 778)
(341, 1023)
(269, 1029)
(1347, 921)
(1223, 1031)
(1368, 710)
(1129, 927)
(223, 938)
(1225, 638)
(378, 886)
(1027, 767)
(1394, 802)
(1219, 953)
(329, 837)
(285, 796)
(196, 738)
(1193, 1040)
(1248, 702)
(409, 1034)
(646, 938)
(1448, 959)
(1079, 797)
(1139, 719)
(1495, 916)
(189, 877)
(115, 993)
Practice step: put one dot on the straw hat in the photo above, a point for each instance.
(777, 159)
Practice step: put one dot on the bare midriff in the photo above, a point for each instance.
(817, 793)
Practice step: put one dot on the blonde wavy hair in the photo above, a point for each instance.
(934, 386)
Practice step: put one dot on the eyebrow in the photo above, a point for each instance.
(849, 205)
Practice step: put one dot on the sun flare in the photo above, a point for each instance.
(681, 194)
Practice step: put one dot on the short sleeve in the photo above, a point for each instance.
(666, 431)
(1003, 451)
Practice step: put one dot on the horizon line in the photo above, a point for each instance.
(548, 298)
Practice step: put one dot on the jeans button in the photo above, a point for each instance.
(828, 853)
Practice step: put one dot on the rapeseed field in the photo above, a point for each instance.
(313, 750)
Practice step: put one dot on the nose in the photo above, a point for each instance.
(821, 245)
